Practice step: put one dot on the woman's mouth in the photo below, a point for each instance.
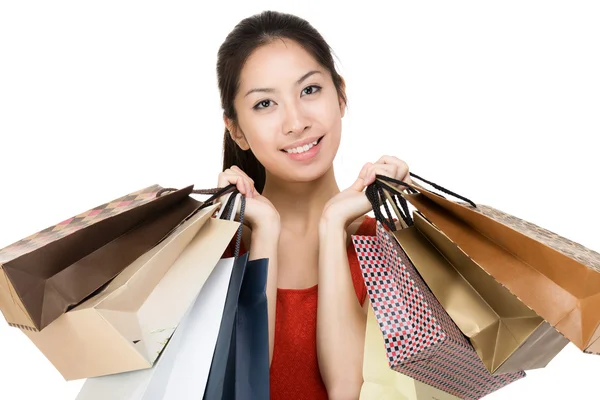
(306, 152)
(303, 149)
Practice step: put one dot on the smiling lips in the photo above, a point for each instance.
(304, 150)
(302, 146)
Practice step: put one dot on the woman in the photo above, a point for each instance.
(283, 102)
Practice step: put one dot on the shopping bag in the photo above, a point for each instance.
(421, 339)
(45, 274)
(240, 364)
(252, 335)
(181, 370)
(380, 382)
(507, 335)
(247, 369)
(554, 276)
(126, 325)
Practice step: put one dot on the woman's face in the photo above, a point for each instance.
(289, 112)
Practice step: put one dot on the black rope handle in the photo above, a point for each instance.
(402, 207)
(227, 212)
(217, 193)
(373, 196)
(238, 239)
(228, 207)
(375, 193)
(444, 190)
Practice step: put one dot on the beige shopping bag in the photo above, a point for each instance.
(507, 335)
(557, 278)
(383, 383)
(126, 325)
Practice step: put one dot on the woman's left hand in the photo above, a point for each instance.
(352, 203)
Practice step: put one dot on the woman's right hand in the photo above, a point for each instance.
(259, 212)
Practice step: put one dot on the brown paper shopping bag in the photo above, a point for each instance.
(507, 335)
(126, 325)
(45, 274)
(380, 382)
(554, 276)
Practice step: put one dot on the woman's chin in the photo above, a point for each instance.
(310, 173)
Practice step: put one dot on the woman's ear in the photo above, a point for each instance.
(341, 99)
(236, 134)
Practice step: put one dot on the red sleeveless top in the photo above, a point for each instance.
(295, 369)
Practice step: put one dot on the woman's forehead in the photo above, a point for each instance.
(281, 62)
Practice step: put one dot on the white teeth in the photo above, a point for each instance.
(302, 149)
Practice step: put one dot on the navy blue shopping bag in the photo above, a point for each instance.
(240, 364)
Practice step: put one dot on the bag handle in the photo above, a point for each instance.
(411, 189)
(378, 189)
(235, 204)
(215, 192)
(235, 198)
(376, 192)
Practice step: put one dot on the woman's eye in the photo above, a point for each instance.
(263, 104)
(311, 89)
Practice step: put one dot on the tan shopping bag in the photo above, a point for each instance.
(383, 383)
(126, 325)
(507, 335)
(554, 276)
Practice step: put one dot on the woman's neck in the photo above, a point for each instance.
(301, 204)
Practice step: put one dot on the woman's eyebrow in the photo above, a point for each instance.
(270, 90)
(306, 76)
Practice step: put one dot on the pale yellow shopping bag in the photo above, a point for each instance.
(383, 383)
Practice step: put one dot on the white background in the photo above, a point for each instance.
(499, 102)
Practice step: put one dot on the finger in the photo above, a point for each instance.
(406, 179)
(244, 185)
(359, 183)
(390, 160)
(249, 188)
(240, 184)
(380, 169)
(364, 170)
(250, 191)
(224, 178)
(231, 178)
(402, 165)
(237, 169)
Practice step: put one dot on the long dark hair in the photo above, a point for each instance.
(247, 36)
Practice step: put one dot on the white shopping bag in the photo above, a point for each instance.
(181, 371)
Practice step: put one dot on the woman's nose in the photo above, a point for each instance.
(295, 121)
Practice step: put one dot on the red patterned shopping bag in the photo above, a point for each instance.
(421, 339)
